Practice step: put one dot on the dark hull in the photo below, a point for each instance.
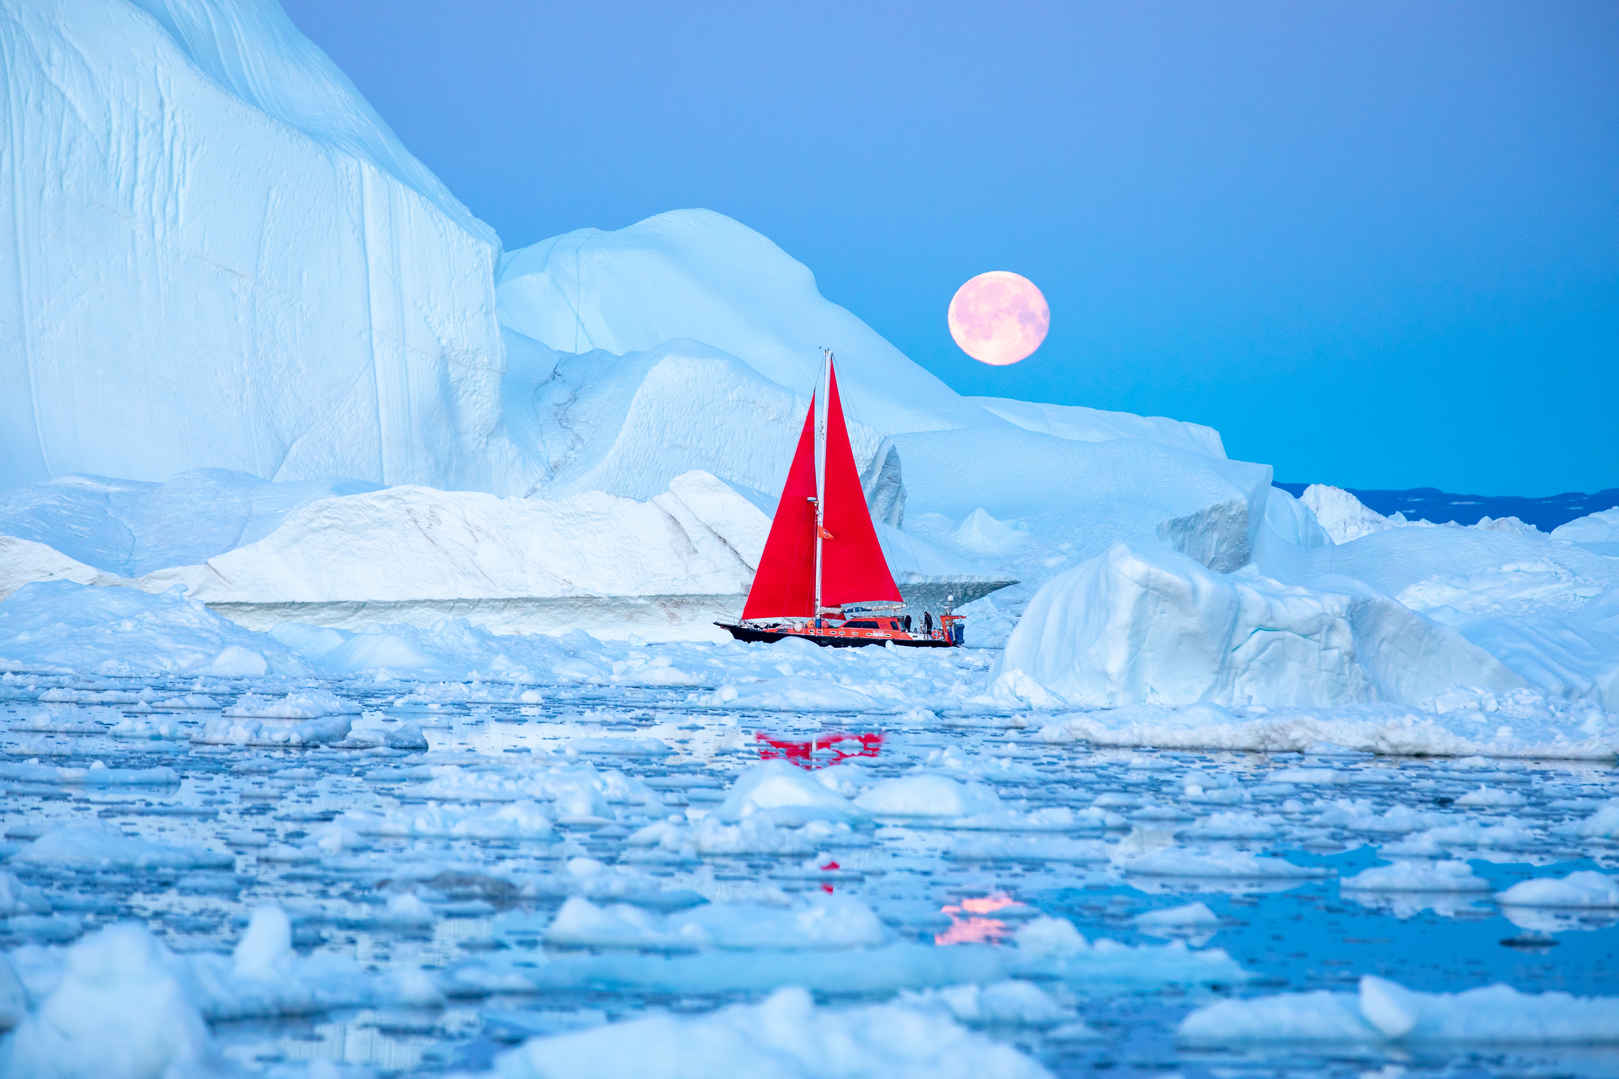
(832, 639)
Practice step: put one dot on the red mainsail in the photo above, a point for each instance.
(853, 569)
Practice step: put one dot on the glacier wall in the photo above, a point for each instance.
(214, 254)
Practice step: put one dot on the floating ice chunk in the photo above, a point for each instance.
(1383, 1011)
(1489, 797)
(1026, 848)
(1190, 916)
(1585, 889)
(13, 997)
(1423, 876)
(621, 747)
(582, 924)
(1604, 823)
(822, 922)
(1232, 825)
(96, 774)
(928, 795)
(1047, 936)
(95, 846)
(150, 728)
(786, 1035)
(1007, 1003)
(1359, 818)
(1318, 1016)
(121, 1010)
(303, 704)
(1390, 1008)
(1308, 777)
(18, 898)
(759, 834)
(405, 736)
(266, 946)
(797, 694)
(1212, 865)
(1509, 834)
(787, 793)
(515, 820)
(244, 731)
(406, 909)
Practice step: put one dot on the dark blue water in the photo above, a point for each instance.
(1442, 507)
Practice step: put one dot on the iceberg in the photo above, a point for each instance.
(216, 254)
(1158, 628)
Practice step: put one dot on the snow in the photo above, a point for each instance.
(1385, 1011)
(785, 1035)
(200, 182)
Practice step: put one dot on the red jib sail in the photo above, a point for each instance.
(784, 583)
(853, 569)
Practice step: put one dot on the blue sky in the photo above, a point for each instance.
(1375, 244)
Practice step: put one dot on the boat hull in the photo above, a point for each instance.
(834, 637)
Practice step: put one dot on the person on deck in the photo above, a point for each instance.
(927, 623)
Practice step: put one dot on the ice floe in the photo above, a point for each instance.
(1382, 1011)
(785, 1035)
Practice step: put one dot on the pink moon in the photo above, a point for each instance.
(999, 317)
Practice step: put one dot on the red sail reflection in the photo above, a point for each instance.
(822, 751)
(970, 924)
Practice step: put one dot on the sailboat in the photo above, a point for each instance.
(822, 576)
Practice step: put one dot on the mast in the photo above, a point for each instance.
(822, 400)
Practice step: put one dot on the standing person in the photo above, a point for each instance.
(927, 622)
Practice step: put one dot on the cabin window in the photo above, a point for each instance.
(860, 623)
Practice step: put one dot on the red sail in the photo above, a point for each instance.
(853, 569)
(784, 584)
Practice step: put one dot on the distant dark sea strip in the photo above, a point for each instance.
(1440, 507)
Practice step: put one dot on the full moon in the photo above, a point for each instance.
(999, 317)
